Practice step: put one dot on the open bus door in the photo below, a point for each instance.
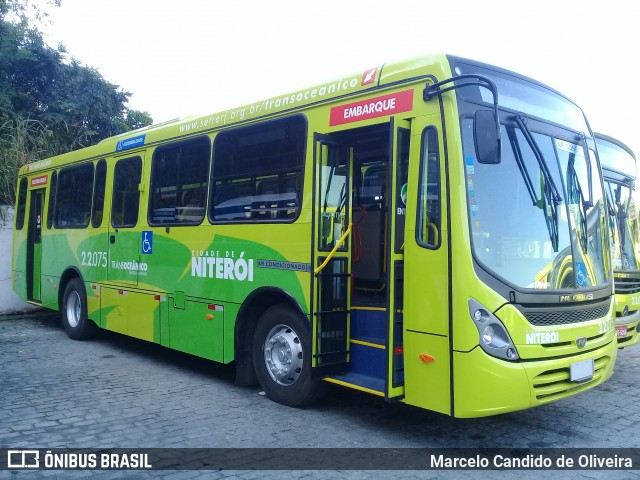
(34, 245)
(360, 193)
(399, 143)
(331, 254)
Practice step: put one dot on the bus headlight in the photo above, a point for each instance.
(494, 338)
(487, 335)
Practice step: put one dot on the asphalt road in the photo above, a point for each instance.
(118, 392)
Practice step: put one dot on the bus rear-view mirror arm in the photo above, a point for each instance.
(486, 131)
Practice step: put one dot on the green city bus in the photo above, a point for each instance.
(431, 231)
(618, 164)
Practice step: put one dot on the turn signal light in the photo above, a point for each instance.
(426, 358)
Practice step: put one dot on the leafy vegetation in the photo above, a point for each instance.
(49, 104)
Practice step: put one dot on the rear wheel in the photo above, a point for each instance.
(74, 312)
(282, 357)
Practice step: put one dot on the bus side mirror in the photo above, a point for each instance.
(486, 135)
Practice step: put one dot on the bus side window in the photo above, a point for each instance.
(98, 193)
(256, 170)
(179, 175)
(429, 204)
(73, 196)
(52, 199)
(22, 203)
(126, 194)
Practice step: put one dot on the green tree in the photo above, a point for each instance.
(21, 142)
(137, 119)
(49, 105)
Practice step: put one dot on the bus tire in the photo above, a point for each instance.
(74, 312)
(282, 357)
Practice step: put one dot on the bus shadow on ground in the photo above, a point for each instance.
(426, 428)
(146, 350)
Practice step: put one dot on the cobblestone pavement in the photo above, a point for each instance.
(118, 392)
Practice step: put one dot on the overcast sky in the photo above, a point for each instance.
(197, 56)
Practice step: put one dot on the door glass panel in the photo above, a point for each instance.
(428, 231)
(401, 186)
(98, 193)
(22, 203)
(126, 195)
(333, 197)
(52, 199)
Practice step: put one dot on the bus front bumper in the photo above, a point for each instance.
(484, 385)
(627, 328)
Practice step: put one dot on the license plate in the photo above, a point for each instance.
(621, 330)
(581, 371)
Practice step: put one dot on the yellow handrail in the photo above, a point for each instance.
(435, 232)
(335, 249)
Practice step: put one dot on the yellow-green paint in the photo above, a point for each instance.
(619, 169)
(628, 303)
(173, 297)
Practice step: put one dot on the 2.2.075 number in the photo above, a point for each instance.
(94, 259)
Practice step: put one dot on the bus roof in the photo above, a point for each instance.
(370, 79)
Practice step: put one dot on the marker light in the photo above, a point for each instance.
(494, 338)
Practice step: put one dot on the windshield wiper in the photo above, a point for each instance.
(519, 118)
(550, 195)
(622, 213)
(574, 192)
(550, 208)
(587, 159)
(521, 165)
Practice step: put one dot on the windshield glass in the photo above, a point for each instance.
(525, 97)
(624, 226)
(528, 238)
(614, 157)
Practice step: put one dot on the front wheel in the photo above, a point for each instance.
(74, 312)
(282, 357)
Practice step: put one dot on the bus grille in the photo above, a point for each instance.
(555, 384)
(555, 317)
(627, 285)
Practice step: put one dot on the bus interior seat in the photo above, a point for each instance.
(369, 271)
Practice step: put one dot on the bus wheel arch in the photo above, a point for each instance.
(251, 311)
(272, 317)
(72, 299)
(282, 357)
(69, 274)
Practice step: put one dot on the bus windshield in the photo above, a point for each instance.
(614, 157)
(529, 235)
(619, 170)
(623, 224)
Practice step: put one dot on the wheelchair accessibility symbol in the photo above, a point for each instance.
(147, 242)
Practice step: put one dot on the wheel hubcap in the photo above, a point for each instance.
(73, 309)
(283, 355)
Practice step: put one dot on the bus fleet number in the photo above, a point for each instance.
(606, 325)
(94, 259)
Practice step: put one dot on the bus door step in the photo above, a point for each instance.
(359, 381)
(368, 352)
